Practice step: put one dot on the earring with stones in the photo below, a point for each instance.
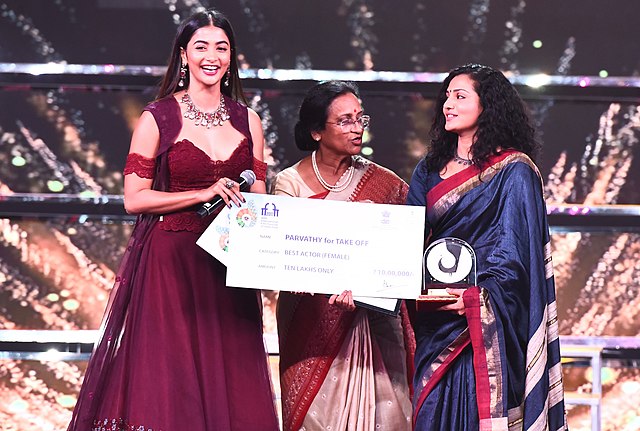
(183, 74)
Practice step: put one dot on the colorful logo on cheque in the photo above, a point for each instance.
(223, 240)
(246, 217)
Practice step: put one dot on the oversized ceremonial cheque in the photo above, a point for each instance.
(320, 246)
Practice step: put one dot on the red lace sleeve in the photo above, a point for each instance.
(140, 165)
(260, 169)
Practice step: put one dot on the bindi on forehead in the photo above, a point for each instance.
(345, 105)
(348, 113)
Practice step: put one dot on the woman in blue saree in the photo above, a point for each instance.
(490, 359)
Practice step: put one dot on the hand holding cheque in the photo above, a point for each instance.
(315, 246)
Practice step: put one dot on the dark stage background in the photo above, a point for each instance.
(66, 132)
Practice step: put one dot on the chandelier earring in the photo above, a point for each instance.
(226, 81)
(183, 74)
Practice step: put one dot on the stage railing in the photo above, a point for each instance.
(110, 208)
(110, 77)
(65, 345)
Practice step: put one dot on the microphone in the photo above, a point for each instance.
(247, 178)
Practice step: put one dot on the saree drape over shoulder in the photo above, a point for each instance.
(497, 367)
(344, 370)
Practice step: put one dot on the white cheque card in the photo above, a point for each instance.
(324, 246)
(215, 239)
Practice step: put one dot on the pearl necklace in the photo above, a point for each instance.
(461, 161)
(215, 118)
(337, 187)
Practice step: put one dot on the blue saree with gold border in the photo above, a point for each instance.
(497, 367)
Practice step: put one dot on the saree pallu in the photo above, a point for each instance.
(497, 367)
(339, 369)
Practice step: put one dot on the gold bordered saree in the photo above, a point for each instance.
(340, 369)
(498, 366)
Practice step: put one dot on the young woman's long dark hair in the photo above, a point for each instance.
(503, 124)
(185, 31)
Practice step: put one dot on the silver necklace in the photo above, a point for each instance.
(215, 118)
(337, 187)
(461, 161)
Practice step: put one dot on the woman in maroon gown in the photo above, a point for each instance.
(178, 349)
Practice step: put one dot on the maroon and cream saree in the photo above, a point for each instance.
(339, 369)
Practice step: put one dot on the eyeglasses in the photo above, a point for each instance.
(346, 124)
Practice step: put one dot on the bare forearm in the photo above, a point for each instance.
(149, 201)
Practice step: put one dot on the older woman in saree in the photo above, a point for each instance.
(342, 367)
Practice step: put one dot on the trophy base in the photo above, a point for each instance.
(437, 297)
(438, 293)
(431, 302)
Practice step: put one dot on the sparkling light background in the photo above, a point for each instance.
(57, 274)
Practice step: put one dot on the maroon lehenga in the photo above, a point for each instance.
(179, 349)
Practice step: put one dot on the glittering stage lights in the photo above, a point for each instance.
(56, 274)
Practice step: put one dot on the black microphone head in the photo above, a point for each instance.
(249, 177)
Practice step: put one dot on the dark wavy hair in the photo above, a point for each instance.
(314, 110)
(184, 34)
(503, 124)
